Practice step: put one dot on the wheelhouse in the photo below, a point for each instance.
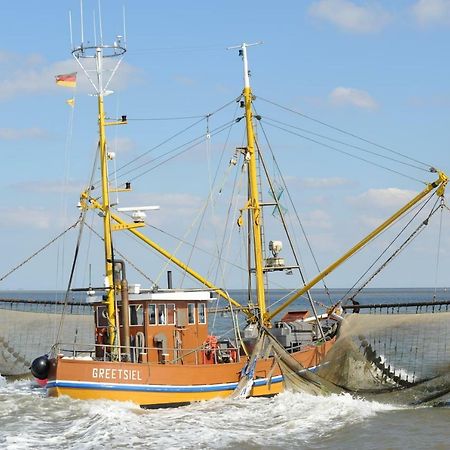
(167, 326)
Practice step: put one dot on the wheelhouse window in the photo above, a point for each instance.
(101, 316)
(136, 314)
(191, 313)
(162, 315)
(201, 313)
(170, 314)
(152, 314)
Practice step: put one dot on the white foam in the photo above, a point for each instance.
(285, 418)
(283, 421)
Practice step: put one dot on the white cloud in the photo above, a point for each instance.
(175, 208)
(49, 187)
(429, 12)
(348, 16)
(354, 97)
(383, 198)
(25, 218)
(31, 74)
(121, 145)
(324, 183)
(317, 219)
(15, 134)
(325, 242)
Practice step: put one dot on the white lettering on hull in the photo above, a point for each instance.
(116, 374)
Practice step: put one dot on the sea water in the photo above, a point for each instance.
(28, 419)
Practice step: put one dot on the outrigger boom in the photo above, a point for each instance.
(439, 185)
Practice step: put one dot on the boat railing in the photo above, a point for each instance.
(157, 355)
(433, 306)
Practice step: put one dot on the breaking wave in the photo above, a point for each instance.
(31, 420)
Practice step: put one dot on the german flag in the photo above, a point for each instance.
(67, 80)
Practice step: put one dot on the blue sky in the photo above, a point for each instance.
(377, 69)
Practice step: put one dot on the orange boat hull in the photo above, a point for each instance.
(159, 385)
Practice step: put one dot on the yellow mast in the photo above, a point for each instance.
(253, 202)
(109, 278)
(97, 53)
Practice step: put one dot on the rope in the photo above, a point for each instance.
(346, 132)
(72, 273)
(194, 142)
(201, 119)
(396, 253)
(124, 258)
(441, 207)
(39, 251)
(348, 144)
(291, 244)
(308, 243)
(348, 154)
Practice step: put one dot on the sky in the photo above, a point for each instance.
(377, 69)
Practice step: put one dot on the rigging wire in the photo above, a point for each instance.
(356, 147)
(89, 183)
(201, 119)
(227, 234)
(219, 250)
(82, 221)
(202, 48)
(210, 199)
(291, 244)
(157, 146)
(165, 118)
(60, 258)
(72, 273)
(194, 142)
(348, 153)
(39, 251)
(308, 243)
(441, 207)
(346, 132)
(178, 239)
(410, 238)
(137, 269)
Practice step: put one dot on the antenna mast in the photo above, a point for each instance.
(84, 55)
(253, 204)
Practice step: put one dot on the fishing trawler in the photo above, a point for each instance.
(154, 346)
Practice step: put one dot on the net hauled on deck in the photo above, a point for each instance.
(394, 358)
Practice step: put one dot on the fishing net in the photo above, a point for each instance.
(394, 358)
(24, 335)
(295, 376)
